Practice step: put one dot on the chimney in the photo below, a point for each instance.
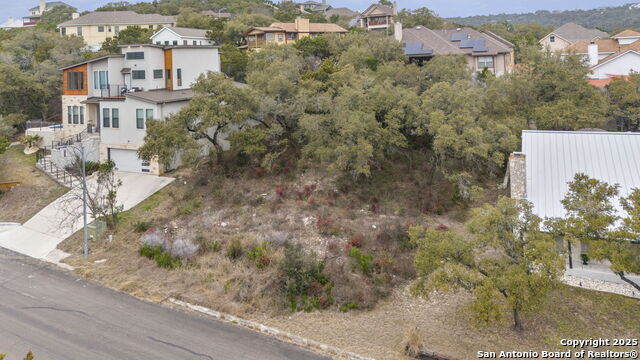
(518, 175)
(395, 9)
(75, 15)
(302, 25)
(593, 54)
(397, 31)
(43, 6)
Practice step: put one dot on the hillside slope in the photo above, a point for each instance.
(606, 18)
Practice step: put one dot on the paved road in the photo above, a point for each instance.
(61, 317)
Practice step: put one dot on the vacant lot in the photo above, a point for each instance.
(36, 191)
(221, 210)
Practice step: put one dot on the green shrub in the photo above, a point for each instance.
(364, 261)
(234, 250)
(214, 246)
(141, 226)
(259, 254)
(162, 258)
(150, 252)
(189, 207)
(347, 307)
(305, 286)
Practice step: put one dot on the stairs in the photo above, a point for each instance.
(61, 176)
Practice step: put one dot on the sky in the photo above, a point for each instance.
(446, 8)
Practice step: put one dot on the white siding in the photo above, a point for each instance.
(153, 60)
(622, 65)
(193, 62)
(167, 37)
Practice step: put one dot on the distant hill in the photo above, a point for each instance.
(605, 18)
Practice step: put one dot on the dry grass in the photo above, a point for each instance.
(36, 191)
(218, 210)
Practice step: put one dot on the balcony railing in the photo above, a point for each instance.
(111, 91)
(256, 43)
(377, 21)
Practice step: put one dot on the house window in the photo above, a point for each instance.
(115, 118)
(185, 42)
(75, 80)
(166, 42)
(149, 114)
(135, 55)
(138, 75)
(175, 42)
(552, 38)
(79, 30)
(291, 36)
(158, 42)
(81, 114)
(485, 62)
(140, 118)
(157, 74)
(109, 28)
(76, 113)
(100, 80)
(270, 36)
(179, 76)
(195, 42)
(106, 121)
(63, 31)
(150, 26)
(69, 114)
(280, 37)
(168, 78)
(117, 29)
(100, 28)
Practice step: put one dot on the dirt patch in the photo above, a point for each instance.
(36, 191)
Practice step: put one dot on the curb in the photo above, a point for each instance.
(298, 340)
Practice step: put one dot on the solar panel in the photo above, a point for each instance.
(480, 46)
(459, 36)
(467, 44)
(415, 48)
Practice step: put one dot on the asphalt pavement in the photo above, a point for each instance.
(59, 316)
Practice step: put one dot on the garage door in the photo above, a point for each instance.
(127, 160)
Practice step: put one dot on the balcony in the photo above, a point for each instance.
(252, 43)
(111, 91)
(377, 21)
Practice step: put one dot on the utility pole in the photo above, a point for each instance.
(84, 201)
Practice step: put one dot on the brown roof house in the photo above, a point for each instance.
(483, 49)
(568, 34)
(285, 33)
(378, 17)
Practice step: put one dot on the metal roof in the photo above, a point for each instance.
(554, 157)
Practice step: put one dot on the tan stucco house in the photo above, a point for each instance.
(286, 33)
(568, 34)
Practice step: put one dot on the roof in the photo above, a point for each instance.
(602, 83)
(340, 12)
(604, 46)
(462, 41)
(184, 32)
(633, 47)
(162, 96)
(554, 157)
(573, 32)
(627, 33)
(119, 17)
(291, 28)
(49, 5)
(381, 10)
(216, 14)
(91, 61)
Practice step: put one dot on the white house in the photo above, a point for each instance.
(169, 35)
(111, 98)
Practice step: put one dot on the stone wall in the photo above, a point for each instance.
(518, 175)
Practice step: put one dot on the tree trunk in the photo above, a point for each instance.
(628, 281)
(517, 322)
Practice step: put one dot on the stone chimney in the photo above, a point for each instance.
(397, 31)
(42, 6)
(518, 175)
(302, 25)
(593, 53)
(395, 9)
(75, 15)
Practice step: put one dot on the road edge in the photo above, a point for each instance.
(295, 339)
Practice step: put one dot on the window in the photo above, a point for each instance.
(291, 36)
(149, 114)
(135, 55)
(106, 122)
(166, 42)
(63, 31)
(195, 42)
(175, 42)
(168, 78)
(69, 114)
(185, 42)
(158, 42)
(270, 36)
(179, 76)
(117, 29)
(100, 80)
(79, 30)
(75, 114)
(140, 118)
(157, 74)
(280, 37)
(75, 80)
(150, 26)
(115, 118)
(109, 28)
(485, 62)
(81, 114)
(100, 28)
(552, 38)
(138, 75)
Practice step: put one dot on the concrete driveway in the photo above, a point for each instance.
(40, 236)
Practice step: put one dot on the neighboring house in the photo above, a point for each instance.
(35, 13)
(217, 14)
(378, 17)
(570, 33)
(483, 49)
(181, 36)
(549, 160)
(313, 6)
(627, 37)
(98, 26)
(342, 12)
(11, 23)
(285, 33)
(113, 96)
